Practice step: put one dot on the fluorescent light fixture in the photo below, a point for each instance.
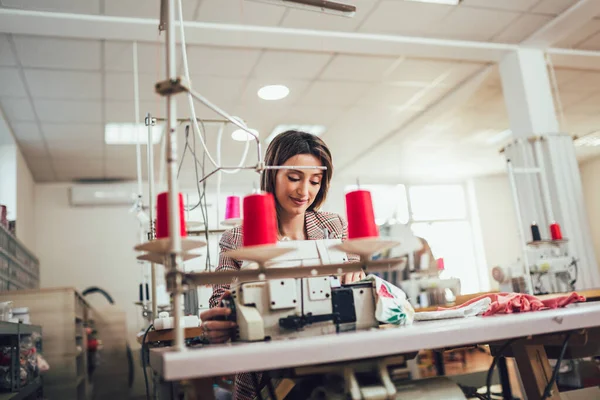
(322, 6)
(589, 140)
(131, 133)
(273, 92)
(316, 130)
(241, 135)
(448, 2)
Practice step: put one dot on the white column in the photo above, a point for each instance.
(555, 191)
(528, 93)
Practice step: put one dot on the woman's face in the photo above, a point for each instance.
(296, 190)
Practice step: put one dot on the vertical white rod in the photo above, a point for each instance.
(173, 196)
(136, 103)
(537, 146)
(151, 194)
(513, 185)
(219, 174)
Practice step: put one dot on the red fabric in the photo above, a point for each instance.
(508, 303)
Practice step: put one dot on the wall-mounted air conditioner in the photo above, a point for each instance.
(103, 194)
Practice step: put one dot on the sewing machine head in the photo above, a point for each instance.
(295, 307)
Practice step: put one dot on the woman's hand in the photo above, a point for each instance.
(353, 277)
(215, 326)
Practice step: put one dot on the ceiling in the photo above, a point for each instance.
(387, 114)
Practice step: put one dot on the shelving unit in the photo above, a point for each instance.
(11, 334)
(19, 268)
(63, 314)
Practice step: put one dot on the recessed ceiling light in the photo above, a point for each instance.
(130, 134)
(242, 136)
(273, 92)
(316, 130)
(448, 2)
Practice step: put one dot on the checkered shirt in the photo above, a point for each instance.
(317, 223)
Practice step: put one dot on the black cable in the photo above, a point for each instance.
(108, 297)
(256, 385)
(488, 381)
(576, 268)
(270, 387)
(144, 349)
(548, 390)
(95, 289)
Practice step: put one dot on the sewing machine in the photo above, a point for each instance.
(299, 307)
(551, 270)
(427, 291)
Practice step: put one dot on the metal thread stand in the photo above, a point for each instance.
(535, 195)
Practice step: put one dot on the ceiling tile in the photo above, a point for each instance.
(312, 20)
(17, 110)
(41, 169)
(290, 64)
(119, 86)
(311, 114)
(240, 12)
(592, 43)
(27, 131)
(234, 63)
(584, 32)
(345, 67)
(11, 84)
(553, 7)
(144, 8)
(474, 23)
(39, 52)
(512, 5)
(67, 150)
(33, 149)
(586, 82)
(71, 85)
(121, 153)
(7, 58)
(69, 111)
(565, 76)
(426, 71)
(387, 95)
(218, 90)
(334, 93)
(126, 168)
(522, 28)
(405, 17)
(118, 56)
(74, 133)
(64, 6)
(78, 168)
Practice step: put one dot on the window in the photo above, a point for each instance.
(438, 214)
(389, 202)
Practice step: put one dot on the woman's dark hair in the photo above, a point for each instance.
(289, 144)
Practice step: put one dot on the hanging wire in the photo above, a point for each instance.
(559, 105)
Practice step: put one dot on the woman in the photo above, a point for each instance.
(298, 195)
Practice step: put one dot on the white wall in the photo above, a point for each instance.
(498, 221)
(590, 178)
(25, 204)
(8, 179)
(83, 247)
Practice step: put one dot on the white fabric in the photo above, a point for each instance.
(477, 308)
